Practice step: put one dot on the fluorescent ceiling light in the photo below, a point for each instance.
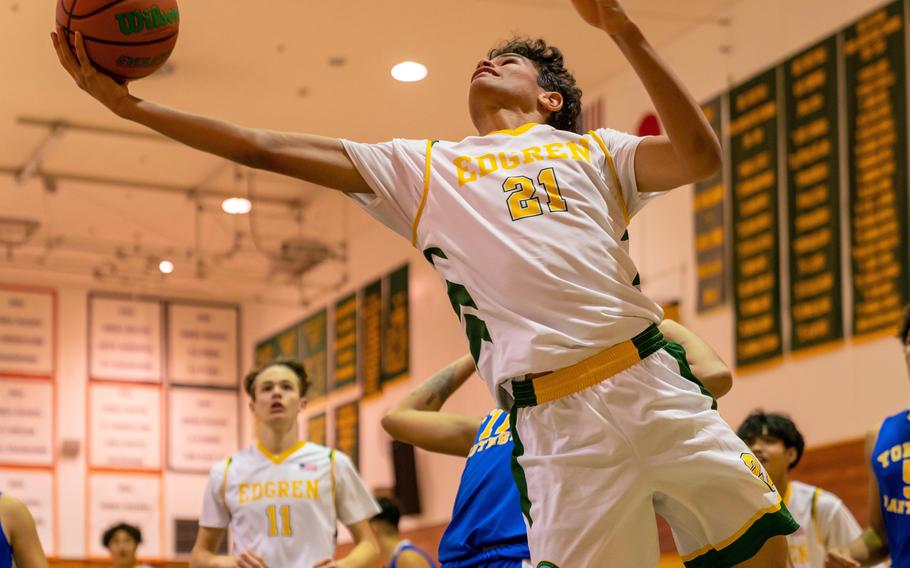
(236, 206)
(409, 71)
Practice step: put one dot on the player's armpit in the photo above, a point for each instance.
(659, 168)
(439, 432)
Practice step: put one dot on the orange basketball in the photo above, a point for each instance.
(126, 39)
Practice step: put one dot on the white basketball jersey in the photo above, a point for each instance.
(285, 508)
(527, 229)
(824, 523)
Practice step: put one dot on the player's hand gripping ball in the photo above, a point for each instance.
(125, 39)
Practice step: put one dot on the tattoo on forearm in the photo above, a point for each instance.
(439, 388)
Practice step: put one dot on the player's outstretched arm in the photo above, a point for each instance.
(316, 159)
(20, 526)
(704, 362)
(691, 150)
(365, 552)
(208, 539)
(871, 547)
(417, 420)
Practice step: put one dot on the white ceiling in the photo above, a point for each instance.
(264, 64)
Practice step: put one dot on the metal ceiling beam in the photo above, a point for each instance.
(151, 186)
(61, 124)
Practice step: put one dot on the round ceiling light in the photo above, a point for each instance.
(166, 266)
(236, 206)
(409, 72)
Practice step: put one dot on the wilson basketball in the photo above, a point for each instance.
(126, 39)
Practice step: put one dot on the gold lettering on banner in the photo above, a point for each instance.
(877, 234)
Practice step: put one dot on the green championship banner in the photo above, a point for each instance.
(315, 429)
(710, 238)
(284, 344)
(754, 182)
(347, 430)
(813, 195)
(372, 339)
(875, 72)
(345, 342)
(313, 352)
(396, 329)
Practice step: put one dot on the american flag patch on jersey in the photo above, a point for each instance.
(307, 467)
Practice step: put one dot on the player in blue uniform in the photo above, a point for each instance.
(888, 534)
(395, 552)
(487, 528)
(19, 544)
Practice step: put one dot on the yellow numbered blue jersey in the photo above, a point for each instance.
(528, 231)
(891, 466)
(286, 507)
(487, 524)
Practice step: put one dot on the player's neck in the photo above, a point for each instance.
(496, 119)
(783, 486)
(277, 438)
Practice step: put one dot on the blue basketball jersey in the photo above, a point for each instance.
(405, 546)
(6, 551)
(487, 523)
(891, 465)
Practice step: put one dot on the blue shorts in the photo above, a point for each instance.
(499, 557)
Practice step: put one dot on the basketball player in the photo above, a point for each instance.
(888, 534)
(824, 520)
(122, 540)
(283, 497)
(526, 224)
(19, 544)
(486, 529)
(395, 552)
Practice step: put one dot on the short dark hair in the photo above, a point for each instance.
(551, 75)
(775, 425)
(389, 514)
(131, 530)
(905, 324)
(294, 365)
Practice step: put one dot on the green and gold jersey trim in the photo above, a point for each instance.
(516, 131)
(423, 198)
(224, 481)
(283, 455)
(612, 165)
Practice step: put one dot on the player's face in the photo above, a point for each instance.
(773, 455)
(123, 549)
(277, 391)
(506, 81)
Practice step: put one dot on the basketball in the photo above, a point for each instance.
(126, 39)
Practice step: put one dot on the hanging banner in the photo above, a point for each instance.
(372, 339)
(314, 352)
(396, 351)
(125, 498)
(811, 105)
(284, 344)
(202, 345)
(125, 339)
(876, 79)
(710, 231)
(36, 490)
(347, 430)
(26, 332)
(756, 272)
(26, 422)
(316, 429)
(203, 427)
(345, 342)
(124, 427)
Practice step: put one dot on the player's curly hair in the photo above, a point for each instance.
(905, 325)
(774, 425)
(132, 531)
(551, 75)
(293, 364)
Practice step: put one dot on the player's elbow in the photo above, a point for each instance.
(707, 160)
(391, 424)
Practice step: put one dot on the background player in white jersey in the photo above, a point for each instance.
(283, 497)
(527, 226)
(825, 522)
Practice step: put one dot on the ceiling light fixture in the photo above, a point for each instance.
(166, 266)
(409, 72)
(236, 206)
